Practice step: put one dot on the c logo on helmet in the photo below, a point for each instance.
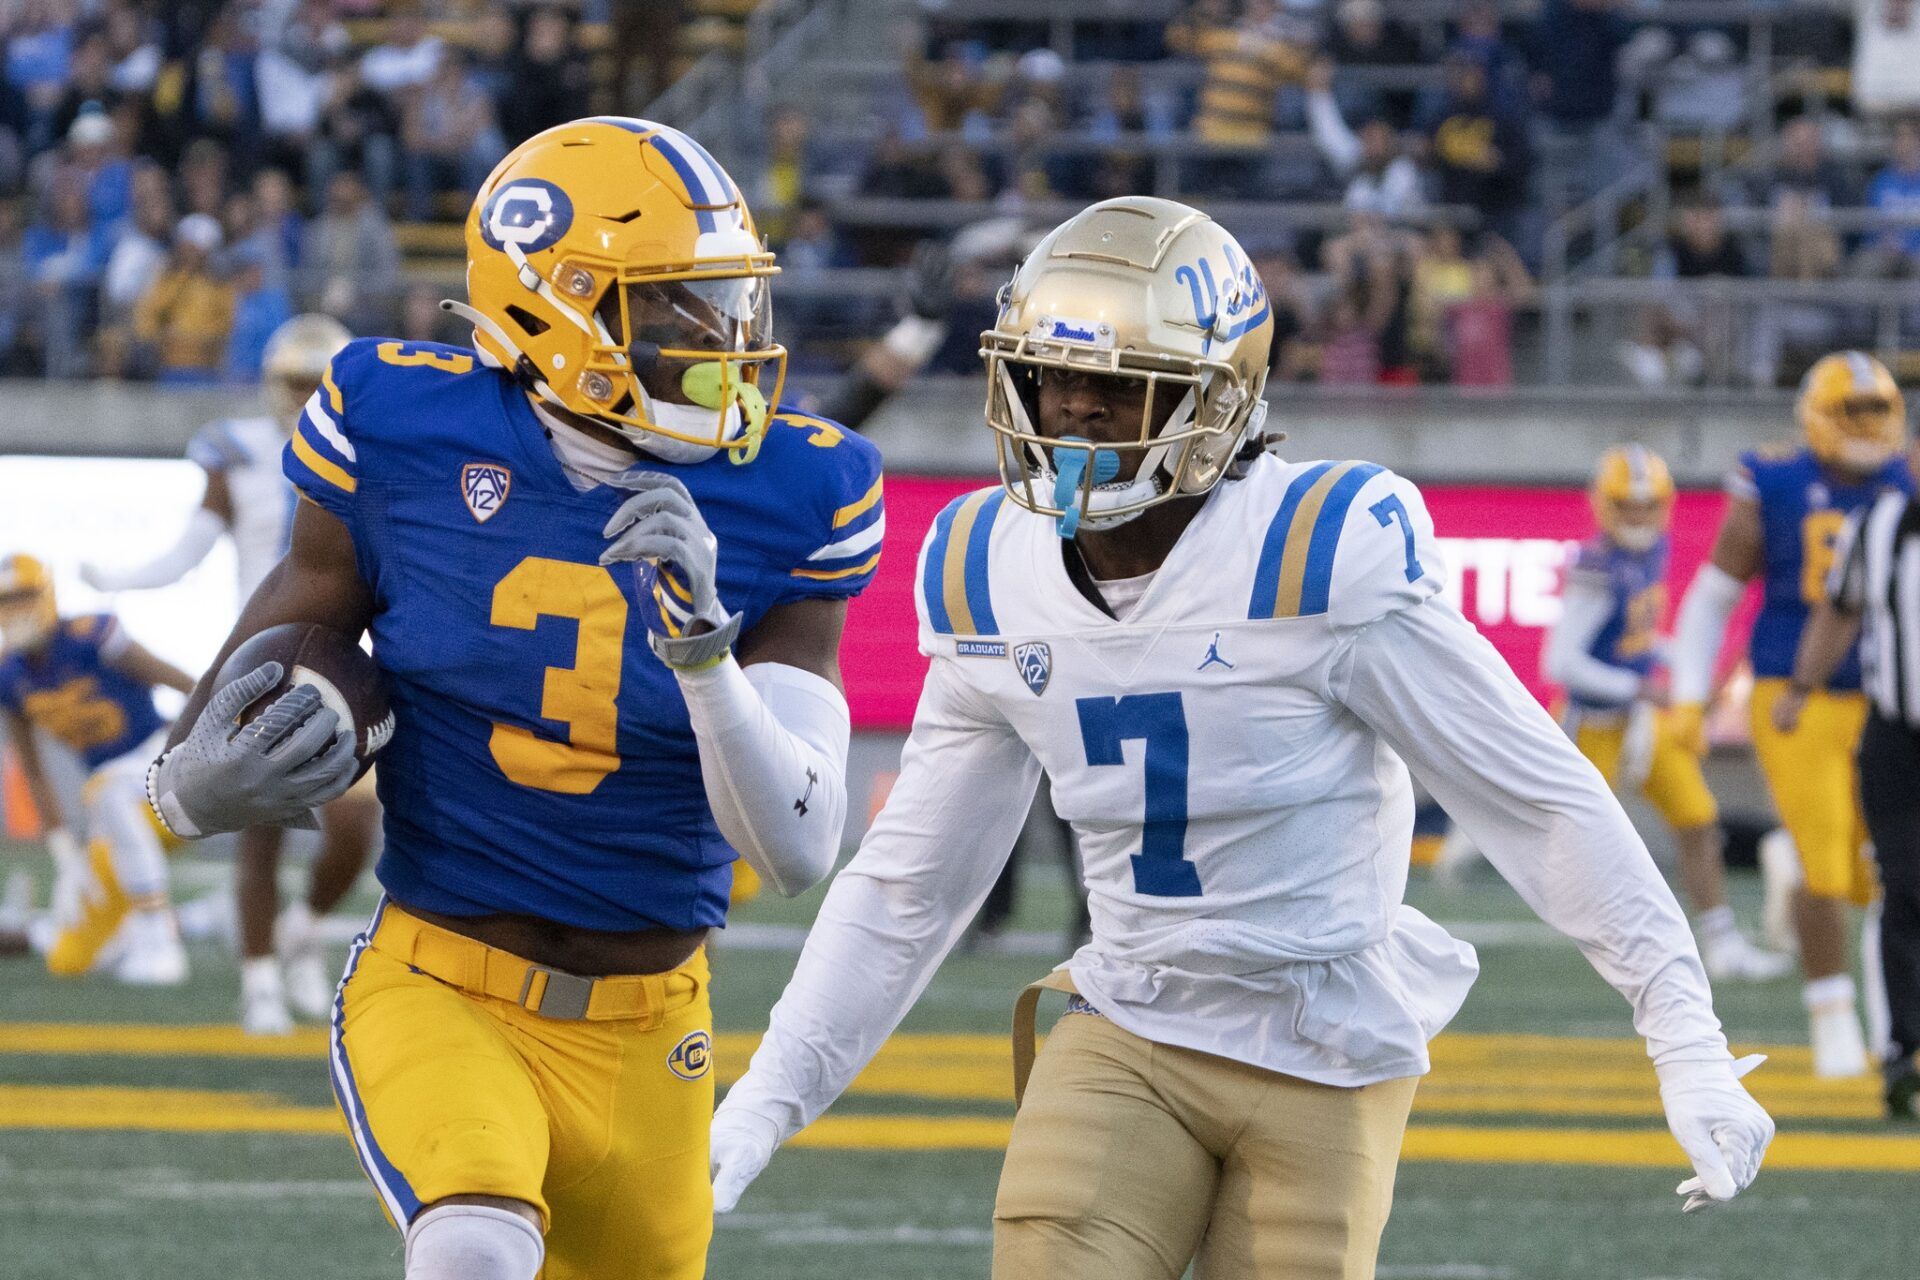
(528, 213)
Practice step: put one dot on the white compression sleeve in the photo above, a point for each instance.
(203, 530)
(1439, 694)
(966, 781)
(473, 1242)
(1699, 630)
(773, 754)
(1585, 607)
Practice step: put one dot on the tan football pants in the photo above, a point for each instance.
(1129, 1159)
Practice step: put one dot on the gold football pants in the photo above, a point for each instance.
(1129, 1159)
(452, 1084)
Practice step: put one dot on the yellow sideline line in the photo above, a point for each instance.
(1473, 1074)
(33, 1107)
(1519, 1053)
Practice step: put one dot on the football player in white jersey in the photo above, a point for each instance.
(248, 498)
(1228, 665)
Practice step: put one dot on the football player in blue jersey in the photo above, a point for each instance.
(248, 499)
(1604, 651)
(87, 685)
(605, 579)
(1789, 503)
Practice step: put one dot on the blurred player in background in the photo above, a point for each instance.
(558, 539)
(85, 684)
(1788, 505)
(1603, 651)
(1221, 661)
(248, 498)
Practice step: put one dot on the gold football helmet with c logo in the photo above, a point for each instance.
(1853, 412)
(612, 265)
(28, 613)
(1137, 287)
(1632, 496)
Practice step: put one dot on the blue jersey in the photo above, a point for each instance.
(72, 691)
(1636, 581)
(1801, 512)
(543, 763)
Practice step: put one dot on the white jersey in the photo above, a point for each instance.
(1234, 819)
(247, 451)
(1234, 758)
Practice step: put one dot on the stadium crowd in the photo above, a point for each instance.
(178, 181)
(176, 186)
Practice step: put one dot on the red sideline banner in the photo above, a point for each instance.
(1505, 550)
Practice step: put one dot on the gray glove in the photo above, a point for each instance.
(292, 758)
(661, 531)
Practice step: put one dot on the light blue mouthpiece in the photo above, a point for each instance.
(1069, 466)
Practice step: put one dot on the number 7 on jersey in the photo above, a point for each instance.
(1160, 868)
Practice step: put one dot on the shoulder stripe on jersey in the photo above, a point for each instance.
(335, 401)
(323, 467)
(1266, 578)
(959, 601)
(830, 575)
(854, 510)
(1295, 573)
(329, 428)
(1317, 584)
(854, 543)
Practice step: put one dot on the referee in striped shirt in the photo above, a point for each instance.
(1873, 596)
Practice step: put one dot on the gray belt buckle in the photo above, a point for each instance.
(566, 996)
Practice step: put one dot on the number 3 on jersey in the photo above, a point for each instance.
(1160, 868)
(584, 696)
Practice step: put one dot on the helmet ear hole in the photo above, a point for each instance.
(532, 324)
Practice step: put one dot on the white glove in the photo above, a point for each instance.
(71, 874)
(742, 1144)
(1718, 1124)
(98, 578)
(1636, 747)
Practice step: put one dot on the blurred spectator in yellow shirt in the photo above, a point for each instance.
(181, 325)
(1245, 64)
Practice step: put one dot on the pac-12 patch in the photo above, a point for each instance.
(692, 1057)
(1035, 661)
(484, 485)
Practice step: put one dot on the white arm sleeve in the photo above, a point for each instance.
(1700, 629)
(966, 782)
(1331, 133)
(1585, 607)
(203, 530)
(1440, 695)
(773, 756)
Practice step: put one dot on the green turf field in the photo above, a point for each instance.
(176, 1148)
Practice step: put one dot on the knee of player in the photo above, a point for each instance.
(475, 1238)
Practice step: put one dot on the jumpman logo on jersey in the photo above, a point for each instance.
(1213, 657)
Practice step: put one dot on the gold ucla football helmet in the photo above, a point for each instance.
(1632, 496)
(296, 358)
(613, 266)
(28, 613)
(1143, 288)
(1852, 411)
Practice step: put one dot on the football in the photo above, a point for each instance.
(348, 680)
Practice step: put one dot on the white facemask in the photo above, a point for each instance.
(1636, 537)
(1864, 455)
